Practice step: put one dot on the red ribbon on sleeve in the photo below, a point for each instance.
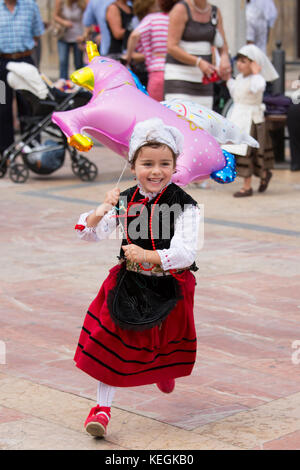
(79, 227)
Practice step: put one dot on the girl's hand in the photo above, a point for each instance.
(134, 253)
(225, 66)
(206, 67)
(112, 196)
(110, 200)
(226, 76)
(255, 68)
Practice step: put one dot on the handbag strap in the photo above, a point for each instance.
(214, 16)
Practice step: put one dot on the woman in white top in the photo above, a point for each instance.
(69, 14)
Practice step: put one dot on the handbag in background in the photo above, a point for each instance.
(56, 29)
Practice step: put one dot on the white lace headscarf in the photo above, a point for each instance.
(155, 130)
(257, 55)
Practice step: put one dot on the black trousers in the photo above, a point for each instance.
(293, 124)
(6, 113)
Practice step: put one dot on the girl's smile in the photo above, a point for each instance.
(154, 168)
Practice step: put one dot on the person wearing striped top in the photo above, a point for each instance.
(195, 27)
(150, 37)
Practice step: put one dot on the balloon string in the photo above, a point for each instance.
(117, 209)
(122, 174)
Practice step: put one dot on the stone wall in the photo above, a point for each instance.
(285, 29)
(233, 13)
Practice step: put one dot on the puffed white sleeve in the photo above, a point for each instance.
(105, 227)
(231, 86)
(183, 246)
(258, 83)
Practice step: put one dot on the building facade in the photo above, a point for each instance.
(286, 29)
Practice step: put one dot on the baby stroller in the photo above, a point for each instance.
(42, 146)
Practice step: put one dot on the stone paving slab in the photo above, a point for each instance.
(246, 311)
(258, 426)
(38, 417)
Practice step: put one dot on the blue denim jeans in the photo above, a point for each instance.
(64, 52)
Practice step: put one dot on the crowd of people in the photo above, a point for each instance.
(177, 48)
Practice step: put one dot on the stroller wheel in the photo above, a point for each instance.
(77, 164)
(3, 169)
(18, 173)
(84, 169)
(88, 172)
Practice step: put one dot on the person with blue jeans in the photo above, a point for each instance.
(64, 49)
(69, 13)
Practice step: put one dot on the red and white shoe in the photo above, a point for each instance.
(97, 421)
(166, 386)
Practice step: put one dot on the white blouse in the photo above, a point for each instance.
(183, 246)
(255, 83)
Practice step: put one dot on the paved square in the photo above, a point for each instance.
(244, 392)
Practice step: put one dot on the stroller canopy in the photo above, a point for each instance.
(23, 76)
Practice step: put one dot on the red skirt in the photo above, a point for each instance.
(124, 358)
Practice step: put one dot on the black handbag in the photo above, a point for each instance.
(140, 302)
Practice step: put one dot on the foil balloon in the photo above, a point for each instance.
(223, 130)
(227, 174)
(117, 105)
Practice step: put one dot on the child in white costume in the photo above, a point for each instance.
(248, 113)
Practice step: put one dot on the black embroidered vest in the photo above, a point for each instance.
(150, 224)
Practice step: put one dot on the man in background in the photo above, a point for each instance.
(95, 14)
(20, 27)
(260, 18)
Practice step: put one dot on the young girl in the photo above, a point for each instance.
(140, 328)
(248, 113)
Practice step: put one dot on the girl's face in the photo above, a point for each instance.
(154, 168)
(244, 66)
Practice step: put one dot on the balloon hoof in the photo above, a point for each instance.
(80, 142)
(228, 173)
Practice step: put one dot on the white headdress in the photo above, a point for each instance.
(254, 53)
(155, 130)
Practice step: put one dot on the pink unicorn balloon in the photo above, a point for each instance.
(117, 105)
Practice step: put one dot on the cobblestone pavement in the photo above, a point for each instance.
(244, 392)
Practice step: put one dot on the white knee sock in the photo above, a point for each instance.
(105, 394)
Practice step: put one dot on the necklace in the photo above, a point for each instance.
(151, 216)
(178, 276)
(200, 10)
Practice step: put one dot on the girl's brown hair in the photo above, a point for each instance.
(154, 145)
(141, 8)
(242, 56)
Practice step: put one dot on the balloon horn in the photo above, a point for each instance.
(91, 50)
